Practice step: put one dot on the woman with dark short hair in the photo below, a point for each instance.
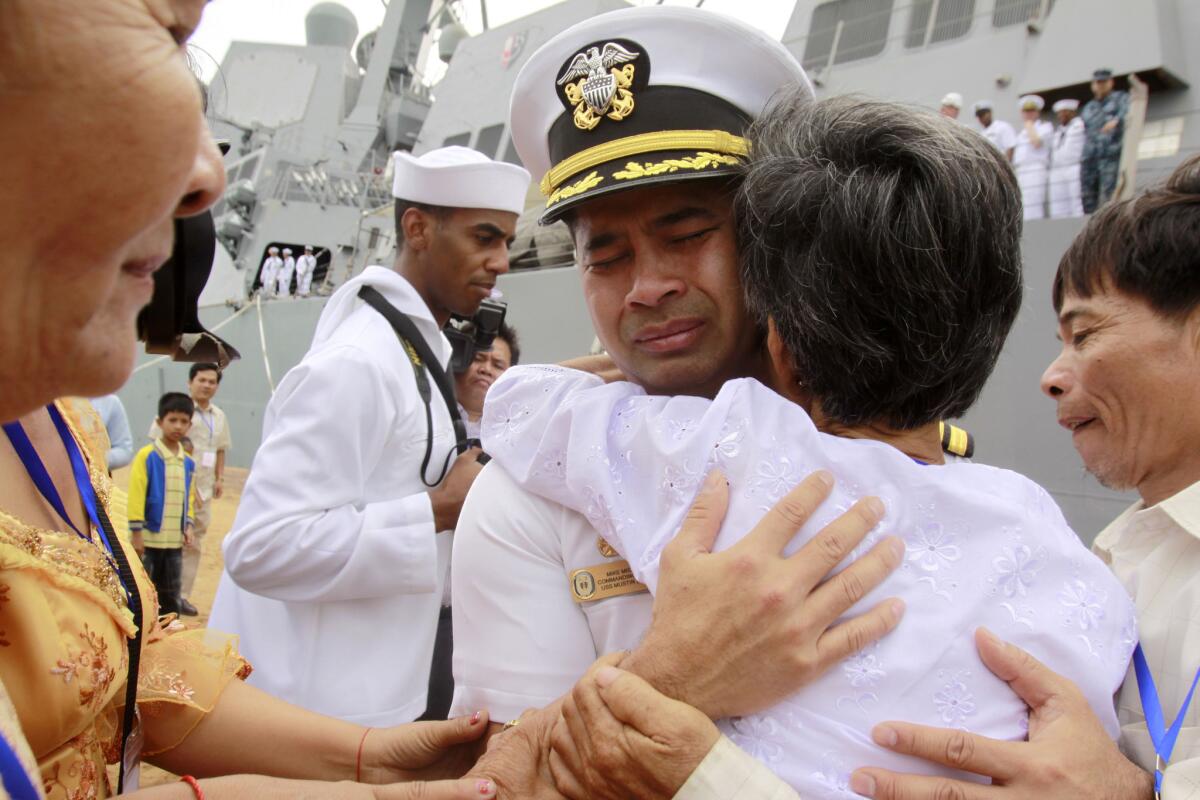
(881, 252)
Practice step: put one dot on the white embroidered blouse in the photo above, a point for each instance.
(985, 546)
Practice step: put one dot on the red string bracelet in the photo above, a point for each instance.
(192, 782)
(358, 759)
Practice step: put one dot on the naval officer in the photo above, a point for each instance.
(1031, 156)
(634, 120)
(336, 587)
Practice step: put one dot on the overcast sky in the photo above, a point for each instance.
(282, 21)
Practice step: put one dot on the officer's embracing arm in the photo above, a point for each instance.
(733, 632)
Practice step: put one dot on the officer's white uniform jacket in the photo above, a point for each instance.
(333, 576)
(1032, 165)
(1066, 197)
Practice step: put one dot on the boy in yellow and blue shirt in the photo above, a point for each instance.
(160, 507)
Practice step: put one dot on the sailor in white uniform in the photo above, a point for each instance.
(1031, 156)
(334, 569)
(1066, 193)
(951, 106)
(269, 272)
(996, 131)
(306, 265)
(284, 279)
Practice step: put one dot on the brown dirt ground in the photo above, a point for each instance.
(211, 564)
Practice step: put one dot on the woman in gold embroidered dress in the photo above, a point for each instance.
(102, 145)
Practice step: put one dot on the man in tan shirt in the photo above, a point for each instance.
(210, 437)
(1127, 386)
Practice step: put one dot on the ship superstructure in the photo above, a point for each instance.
(312, 128)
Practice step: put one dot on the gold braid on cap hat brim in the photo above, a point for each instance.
(718, 141)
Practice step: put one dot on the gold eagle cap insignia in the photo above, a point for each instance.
(598, 86)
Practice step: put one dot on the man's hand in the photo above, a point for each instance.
(187, 535)
(619, 738)
(1110, 126)
(422, 750)
(517, 760)
(139, 542)
(1068, 755)
(218, 488)
(764, 623)
(447, 498)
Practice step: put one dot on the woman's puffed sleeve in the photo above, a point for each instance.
(182, 675)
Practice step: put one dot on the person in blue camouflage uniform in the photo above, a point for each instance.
(1104, 123)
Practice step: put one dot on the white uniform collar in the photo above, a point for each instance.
(397, 291)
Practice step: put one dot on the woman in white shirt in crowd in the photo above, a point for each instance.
(881, 250)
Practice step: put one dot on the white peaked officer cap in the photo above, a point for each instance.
(272, 249)
(1031, 102)
(1067, 104)
(287, 251)
(983, 105)
(459, 177)
(642, 96)
(953, 99)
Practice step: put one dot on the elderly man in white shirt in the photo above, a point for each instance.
(336, 589)
(1127, 387)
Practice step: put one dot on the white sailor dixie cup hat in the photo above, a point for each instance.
(641, 96)
(459, 177)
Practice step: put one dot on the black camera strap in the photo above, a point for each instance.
(129, 716)
(415, 345)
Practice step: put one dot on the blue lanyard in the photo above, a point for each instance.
(1162, 737)
(209, 422)
(12, 771)
(41, 478)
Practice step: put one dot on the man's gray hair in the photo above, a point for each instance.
(884, 242)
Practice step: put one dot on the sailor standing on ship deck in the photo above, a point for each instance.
(306, 265)
(270, 269)
(1104, 121)
(284, 288)
(336, 589)
(996, 131)
(1031, 156)
(1066, 198)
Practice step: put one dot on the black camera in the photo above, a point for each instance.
(171, 324)
(471, 335)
